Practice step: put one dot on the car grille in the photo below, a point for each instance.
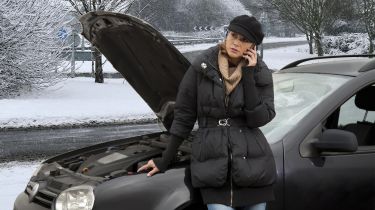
(42, 197)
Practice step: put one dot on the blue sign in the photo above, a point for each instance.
(62, 34)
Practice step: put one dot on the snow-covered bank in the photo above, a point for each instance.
(80, 101)
(75, 101)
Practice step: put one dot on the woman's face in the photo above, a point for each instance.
(236, 45)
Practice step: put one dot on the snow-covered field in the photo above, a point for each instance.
(280, 57)
(75, 101)
(78, 101)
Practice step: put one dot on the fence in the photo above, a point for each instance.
(85, 53)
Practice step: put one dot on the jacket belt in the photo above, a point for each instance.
(208, 122)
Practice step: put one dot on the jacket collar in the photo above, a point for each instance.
(207, 64)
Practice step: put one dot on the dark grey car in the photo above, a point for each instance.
(323, 136)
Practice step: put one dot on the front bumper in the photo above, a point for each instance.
(22, 203)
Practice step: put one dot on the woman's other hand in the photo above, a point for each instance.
(148, 165)
(251, 56)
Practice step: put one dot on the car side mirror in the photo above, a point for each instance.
(335, 140)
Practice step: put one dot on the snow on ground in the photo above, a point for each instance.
(78, 101)
(272, 39)
(75, 101)
(280, 57)
(14, 177)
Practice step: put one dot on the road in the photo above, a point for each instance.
(191, 55)
(35, 144)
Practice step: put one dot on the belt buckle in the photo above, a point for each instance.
(223, 122)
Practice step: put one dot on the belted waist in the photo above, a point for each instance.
(208, 122)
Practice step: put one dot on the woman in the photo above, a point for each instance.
(230, 91)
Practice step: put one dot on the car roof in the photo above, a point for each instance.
(339, 65)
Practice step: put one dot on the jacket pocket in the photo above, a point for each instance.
(254, 172)
(209, 162)
(257, 167)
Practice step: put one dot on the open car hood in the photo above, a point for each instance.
(146, 59)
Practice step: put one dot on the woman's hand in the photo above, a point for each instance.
(148, 165)
(251, 56)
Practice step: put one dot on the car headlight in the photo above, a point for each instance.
(76, 198)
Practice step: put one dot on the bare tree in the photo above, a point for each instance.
(30, 50)
(309, 16)
(366, 10)
(84, 6)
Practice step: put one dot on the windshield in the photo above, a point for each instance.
(296, 94)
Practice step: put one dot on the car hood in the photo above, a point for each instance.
(146, 59)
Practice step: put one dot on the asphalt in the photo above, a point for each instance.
(31, 145)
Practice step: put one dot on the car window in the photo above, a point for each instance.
(350, 113)
(358, 121)
(296, 94)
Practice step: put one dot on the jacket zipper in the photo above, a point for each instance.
(231, 182)
(226, 103)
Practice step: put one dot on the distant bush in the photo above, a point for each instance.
(347, 43)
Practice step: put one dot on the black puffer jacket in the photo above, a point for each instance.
(232, 165)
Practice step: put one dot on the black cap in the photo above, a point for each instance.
(247, 26)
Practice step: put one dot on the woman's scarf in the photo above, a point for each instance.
(231, 75)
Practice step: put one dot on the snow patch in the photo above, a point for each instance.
(14, 177)
(346, 43)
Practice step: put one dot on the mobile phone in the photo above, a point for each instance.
(251, 48)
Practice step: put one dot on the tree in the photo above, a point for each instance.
(309, 16)
(347, 18)
(82, 7)
(270, 18)
(184, 15)
(30, 50)
(366, 10)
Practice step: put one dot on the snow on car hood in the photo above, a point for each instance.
(146, 59)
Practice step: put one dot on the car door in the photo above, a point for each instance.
(330, 180)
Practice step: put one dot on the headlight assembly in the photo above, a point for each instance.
(76, 198)
(37, 170)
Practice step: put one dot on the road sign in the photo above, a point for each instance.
(62, 34)
(74, 39)
(203, 28)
